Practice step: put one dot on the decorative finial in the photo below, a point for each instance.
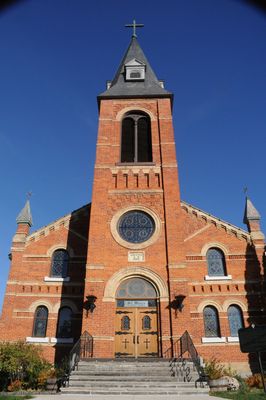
(29, 194)
(134, 26)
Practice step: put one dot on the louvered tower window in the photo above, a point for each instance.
(136, 138)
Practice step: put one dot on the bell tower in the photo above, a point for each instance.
(135, 225)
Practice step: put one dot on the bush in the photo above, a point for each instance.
(255, 381)
(215, 369)
(20, 366)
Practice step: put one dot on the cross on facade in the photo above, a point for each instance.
(134, 26)
(147, 342)
(125, 343)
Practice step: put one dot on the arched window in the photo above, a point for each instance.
(64, 325)
(216, 262)
(40, 322)
(136, 138)
(235, 318)
(146, 323)
(211, 322)
(125, 323)
(59, 263)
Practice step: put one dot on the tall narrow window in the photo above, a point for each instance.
(235, 318)
(40, 322)
(136, 143)
(64, 325)
(59, 263)
(216, 262)
(211, 322)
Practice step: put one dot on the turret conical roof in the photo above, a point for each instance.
(24, 216)
(251, 213)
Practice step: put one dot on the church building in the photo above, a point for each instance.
(138, 266)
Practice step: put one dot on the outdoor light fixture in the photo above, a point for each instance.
(89, 305)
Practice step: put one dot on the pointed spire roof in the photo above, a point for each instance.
(150, 86)
(250, 212)
(24, 216)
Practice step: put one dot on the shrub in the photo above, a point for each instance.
(214, 369)
(21, 362)
(255, 381)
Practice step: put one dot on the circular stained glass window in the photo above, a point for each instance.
(136, 226)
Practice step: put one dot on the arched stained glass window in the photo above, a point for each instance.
(64, 325)
(146, 323)
(59, 263)
(136, 138)
(125, 323)
(40, 322)
(211, 322)
(216, 262)
(136, 288)
(235, 318)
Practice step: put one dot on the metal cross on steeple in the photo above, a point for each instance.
(134, 26)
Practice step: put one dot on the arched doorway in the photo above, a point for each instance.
(136, 324)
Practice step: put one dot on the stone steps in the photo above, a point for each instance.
(121, 377)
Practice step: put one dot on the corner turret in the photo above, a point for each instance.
(252, 220)
(24, 222)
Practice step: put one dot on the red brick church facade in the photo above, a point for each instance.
(138, 266)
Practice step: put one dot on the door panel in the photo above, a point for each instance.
(147, 332)
(125, 333)
(136, 333)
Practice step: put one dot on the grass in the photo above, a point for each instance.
(254, 395)
(11, 397)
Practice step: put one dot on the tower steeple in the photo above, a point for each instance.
(252, 220)
(134, 77)
(24, 217)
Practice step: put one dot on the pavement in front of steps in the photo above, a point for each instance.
(121, 397)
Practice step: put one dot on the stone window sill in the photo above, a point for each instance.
(62, 340)
(218, 278)
(30, 339)
(213, 339)
(56, 279)
(233, 339)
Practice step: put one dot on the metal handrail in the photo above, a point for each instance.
(185, 345)
(82, 349)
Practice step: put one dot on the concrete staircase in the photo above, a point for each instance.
(133, 377)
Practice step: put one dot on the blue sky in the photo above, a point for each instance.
(56, 56)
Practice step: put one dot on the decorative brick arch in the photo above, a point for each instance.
(206, 303)
(65, 303)
(125, 110)
(130, 272)
(41, 302)
(216, 245)
(60, 246)
(234, 302)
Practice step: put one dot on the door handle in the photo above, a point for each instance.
(138, 339)
(133, 339)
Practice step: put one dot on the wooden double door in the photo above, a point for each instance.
(136, 332)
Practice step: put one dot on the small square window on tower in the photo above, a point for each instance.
(135, 70)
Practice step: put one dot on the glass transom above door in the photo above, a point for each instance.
(136, 226)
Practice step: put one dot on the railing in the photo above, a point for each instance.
(82, 349)
(184, 346)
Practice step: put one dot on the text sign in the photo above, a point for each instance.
(136, 303)
(136, 256)
(252, 340)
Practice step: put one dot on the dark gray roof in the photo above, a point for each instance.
(250, 212)
(150, 87)
(24, 216)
